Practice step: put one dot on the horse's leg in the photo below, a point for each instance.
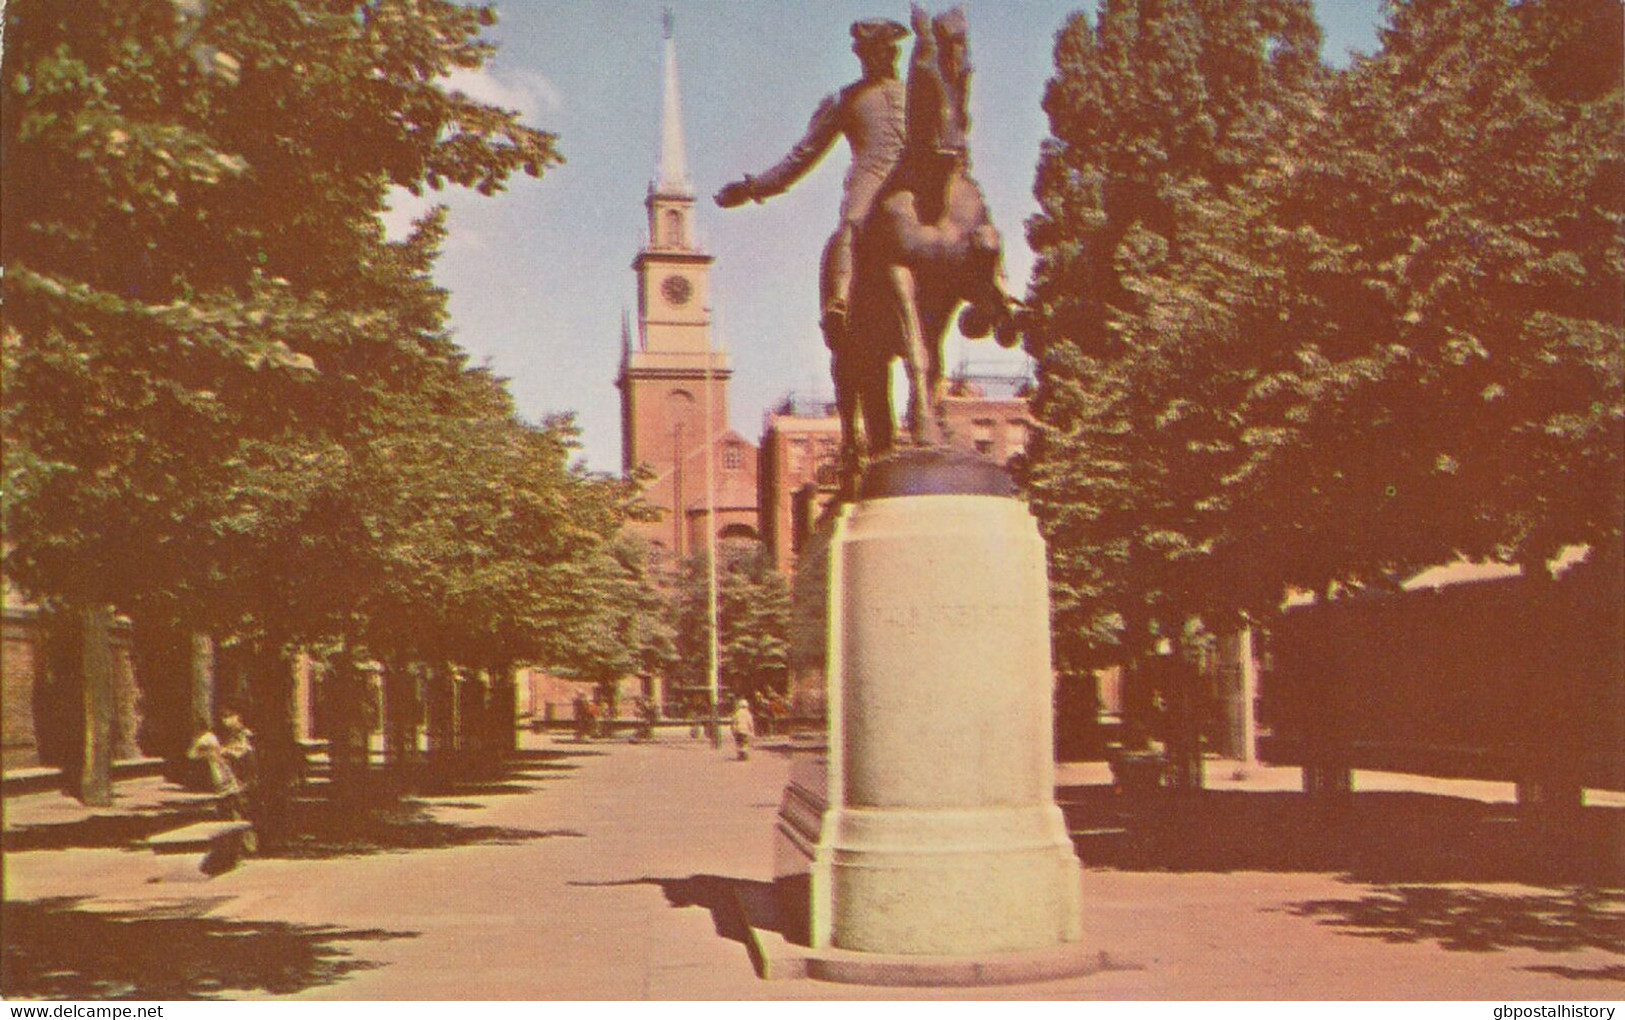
(847, 396)
(937, 308)
(991, 307)
(988, 249)
(879, 426)
(922, 421)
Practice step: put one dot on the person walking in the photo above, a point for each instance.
(744, 727)
(580, 715)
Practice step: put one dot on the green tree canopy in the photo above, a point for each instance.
(1333, 328)
(1453, 280)
(205, 322)
(753, 621)
(1146, 304)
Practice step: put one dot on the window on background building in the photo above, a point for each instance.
(733, 457)
(982, 434)
(1016, 429)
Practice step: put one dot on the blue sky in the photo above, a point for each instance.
(540, 275)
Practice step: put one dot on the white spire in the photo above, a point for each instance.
(672, 175)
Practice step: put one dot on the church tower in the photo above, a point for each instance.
(673, 382)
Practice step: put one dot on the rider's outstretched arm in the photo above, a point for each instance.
(822, 131)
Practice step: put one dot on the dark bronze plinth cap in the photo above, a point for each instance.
(935, 471)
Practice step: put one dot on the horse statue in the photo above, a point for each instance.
(927, 248)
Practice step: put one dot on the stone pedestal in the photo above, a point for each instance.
(933, 830)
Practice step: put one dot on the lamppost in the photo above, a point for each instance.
(677, 489)
(711, 558)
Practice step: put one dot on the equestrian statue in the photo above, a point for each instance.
(915, 241)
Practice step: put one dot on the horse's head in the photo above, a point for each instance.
(953, 62)
(939, 83)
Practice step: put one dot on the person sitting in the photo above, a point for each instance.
(233, 769)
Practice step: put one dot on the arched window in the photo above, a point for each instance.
(682, 424)
(674, 229)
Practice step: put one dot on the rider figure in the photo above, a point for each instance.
(870, 113)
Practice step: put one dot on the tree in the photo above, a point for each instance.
(1149, 312)
(1375, 326)
(203, 314)
(753, 621)
(1456, 285)
(627, 632)
(192, 250)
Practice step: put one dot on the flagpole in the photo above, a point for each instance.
(711, 554)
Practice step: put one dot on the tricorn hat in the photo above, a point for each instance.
(877, 32)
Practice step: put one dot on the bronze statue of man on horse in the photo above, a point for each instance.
(923, 248)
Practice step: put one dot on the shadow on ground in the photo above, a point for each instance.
(723, 897)
(322, 821)
(1376, 837)
(361, 826)
(375, 819)
(1476, 920)
(99, 831)
(54, 950)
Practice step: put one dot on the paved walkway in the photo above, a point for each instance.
(605, 871)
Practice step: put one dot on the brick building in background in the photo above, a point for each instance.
(984, 413)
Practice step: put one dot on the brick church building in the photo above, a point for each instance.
(673, 379)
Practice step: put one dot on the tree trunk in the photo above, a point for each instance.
(1180, 683)
(472, 726)
(441, 697)
(95, 779)
(280, 757)
(201, 673)
(403, 712)
(504, 710)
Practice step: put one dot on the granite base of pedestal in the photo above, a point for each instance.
(929, 829)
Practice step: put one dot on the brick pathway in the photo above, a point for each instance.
(604, 871)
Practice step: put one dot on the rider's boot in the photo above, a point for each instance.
(833, 322)
(835, 286)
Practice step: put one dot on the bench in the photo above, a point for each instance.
(1137, 774)
(203, 848)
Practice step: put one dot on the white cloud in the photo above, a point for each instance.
(404, 207)
(526, 91)
(463, 233)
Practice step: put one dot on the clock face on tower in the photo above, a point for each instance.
(677, 289)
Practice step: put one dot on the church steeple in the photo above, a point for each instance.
(673, 382)
(669, 370)
(672, 173)
(671, 193)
